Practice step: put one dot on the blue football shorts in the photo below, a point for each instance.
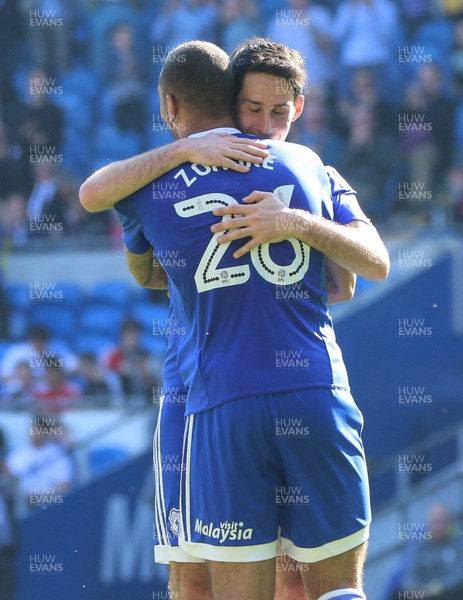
(167, 464)
(275, 474)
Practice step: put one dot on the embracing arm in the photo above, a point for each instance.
(340, 283)
(139, 254)
(146, 270)
(120, 179)
(355, 246)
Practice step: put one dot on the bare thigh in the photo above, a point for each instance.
(288, 580)
(189, 581)
(342, 571)
(243, 581)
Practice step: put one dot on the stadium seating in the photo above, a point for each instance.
(116, 293)
(147, 313)
(87, 341)
(59, 319)
(101, 319)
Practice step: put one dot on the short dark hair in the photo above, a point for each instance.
(263, 55)
(199, 74)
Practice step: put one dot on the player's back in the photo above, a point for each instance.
(257, 324)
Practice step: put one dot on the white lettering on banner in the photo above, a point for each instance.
(124, 553)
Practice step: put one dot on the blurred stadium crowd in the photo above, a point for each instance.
(78, 89)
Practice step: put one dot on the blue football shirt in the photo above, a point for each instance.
(254, 325)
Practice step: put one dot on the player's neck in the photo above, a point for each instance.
(198, 125)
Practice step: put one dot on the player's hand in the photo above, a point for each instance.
(223, 150)
(262, 220)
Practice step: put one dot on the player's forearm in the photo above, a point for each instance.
(340, 283)
(146, 270)
(157, 279)
(118, 180)
(356, 247)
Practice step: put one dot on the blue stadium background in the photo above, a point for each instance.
(78, 90)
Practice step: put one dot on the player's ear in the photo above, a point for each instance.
(299, 106)
(171, 108)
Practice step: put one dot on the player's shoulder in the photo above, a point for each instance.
(146, 192)
(282, 147)
(291, 149)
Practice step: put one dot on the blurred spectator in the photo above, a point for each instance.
(415, 13)
(65, 209)
(41, 121)
(104, 16)
(125, 80)
(416, 141)
(239, 20)
(457, 57)
(136, 368)
(10, 33)
(60, 206)
(38, 353)
(180, 21)
(366, 32)
(8, 528)
(9, 103)
(452, 194)
(40, 199)
(14, 226)
(350, 43)
(40, 127)
(49, 30)
(98, 385)
(426, 126)
(366, 159)
(314, 128)
(307, 27)
(4, 310)
(434, 567)
(56, 392)
(43, 468)
(363, 91)
(19, 391)
(15, 171)
(452, 8)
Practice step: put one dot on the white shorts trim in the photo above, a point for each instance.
(311, 555)
(229, 553)
(167, 554)
(159, 501)
(185, 477)
(336, 593)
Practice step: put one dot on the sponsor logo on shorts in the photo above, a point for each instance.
(225, 531)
